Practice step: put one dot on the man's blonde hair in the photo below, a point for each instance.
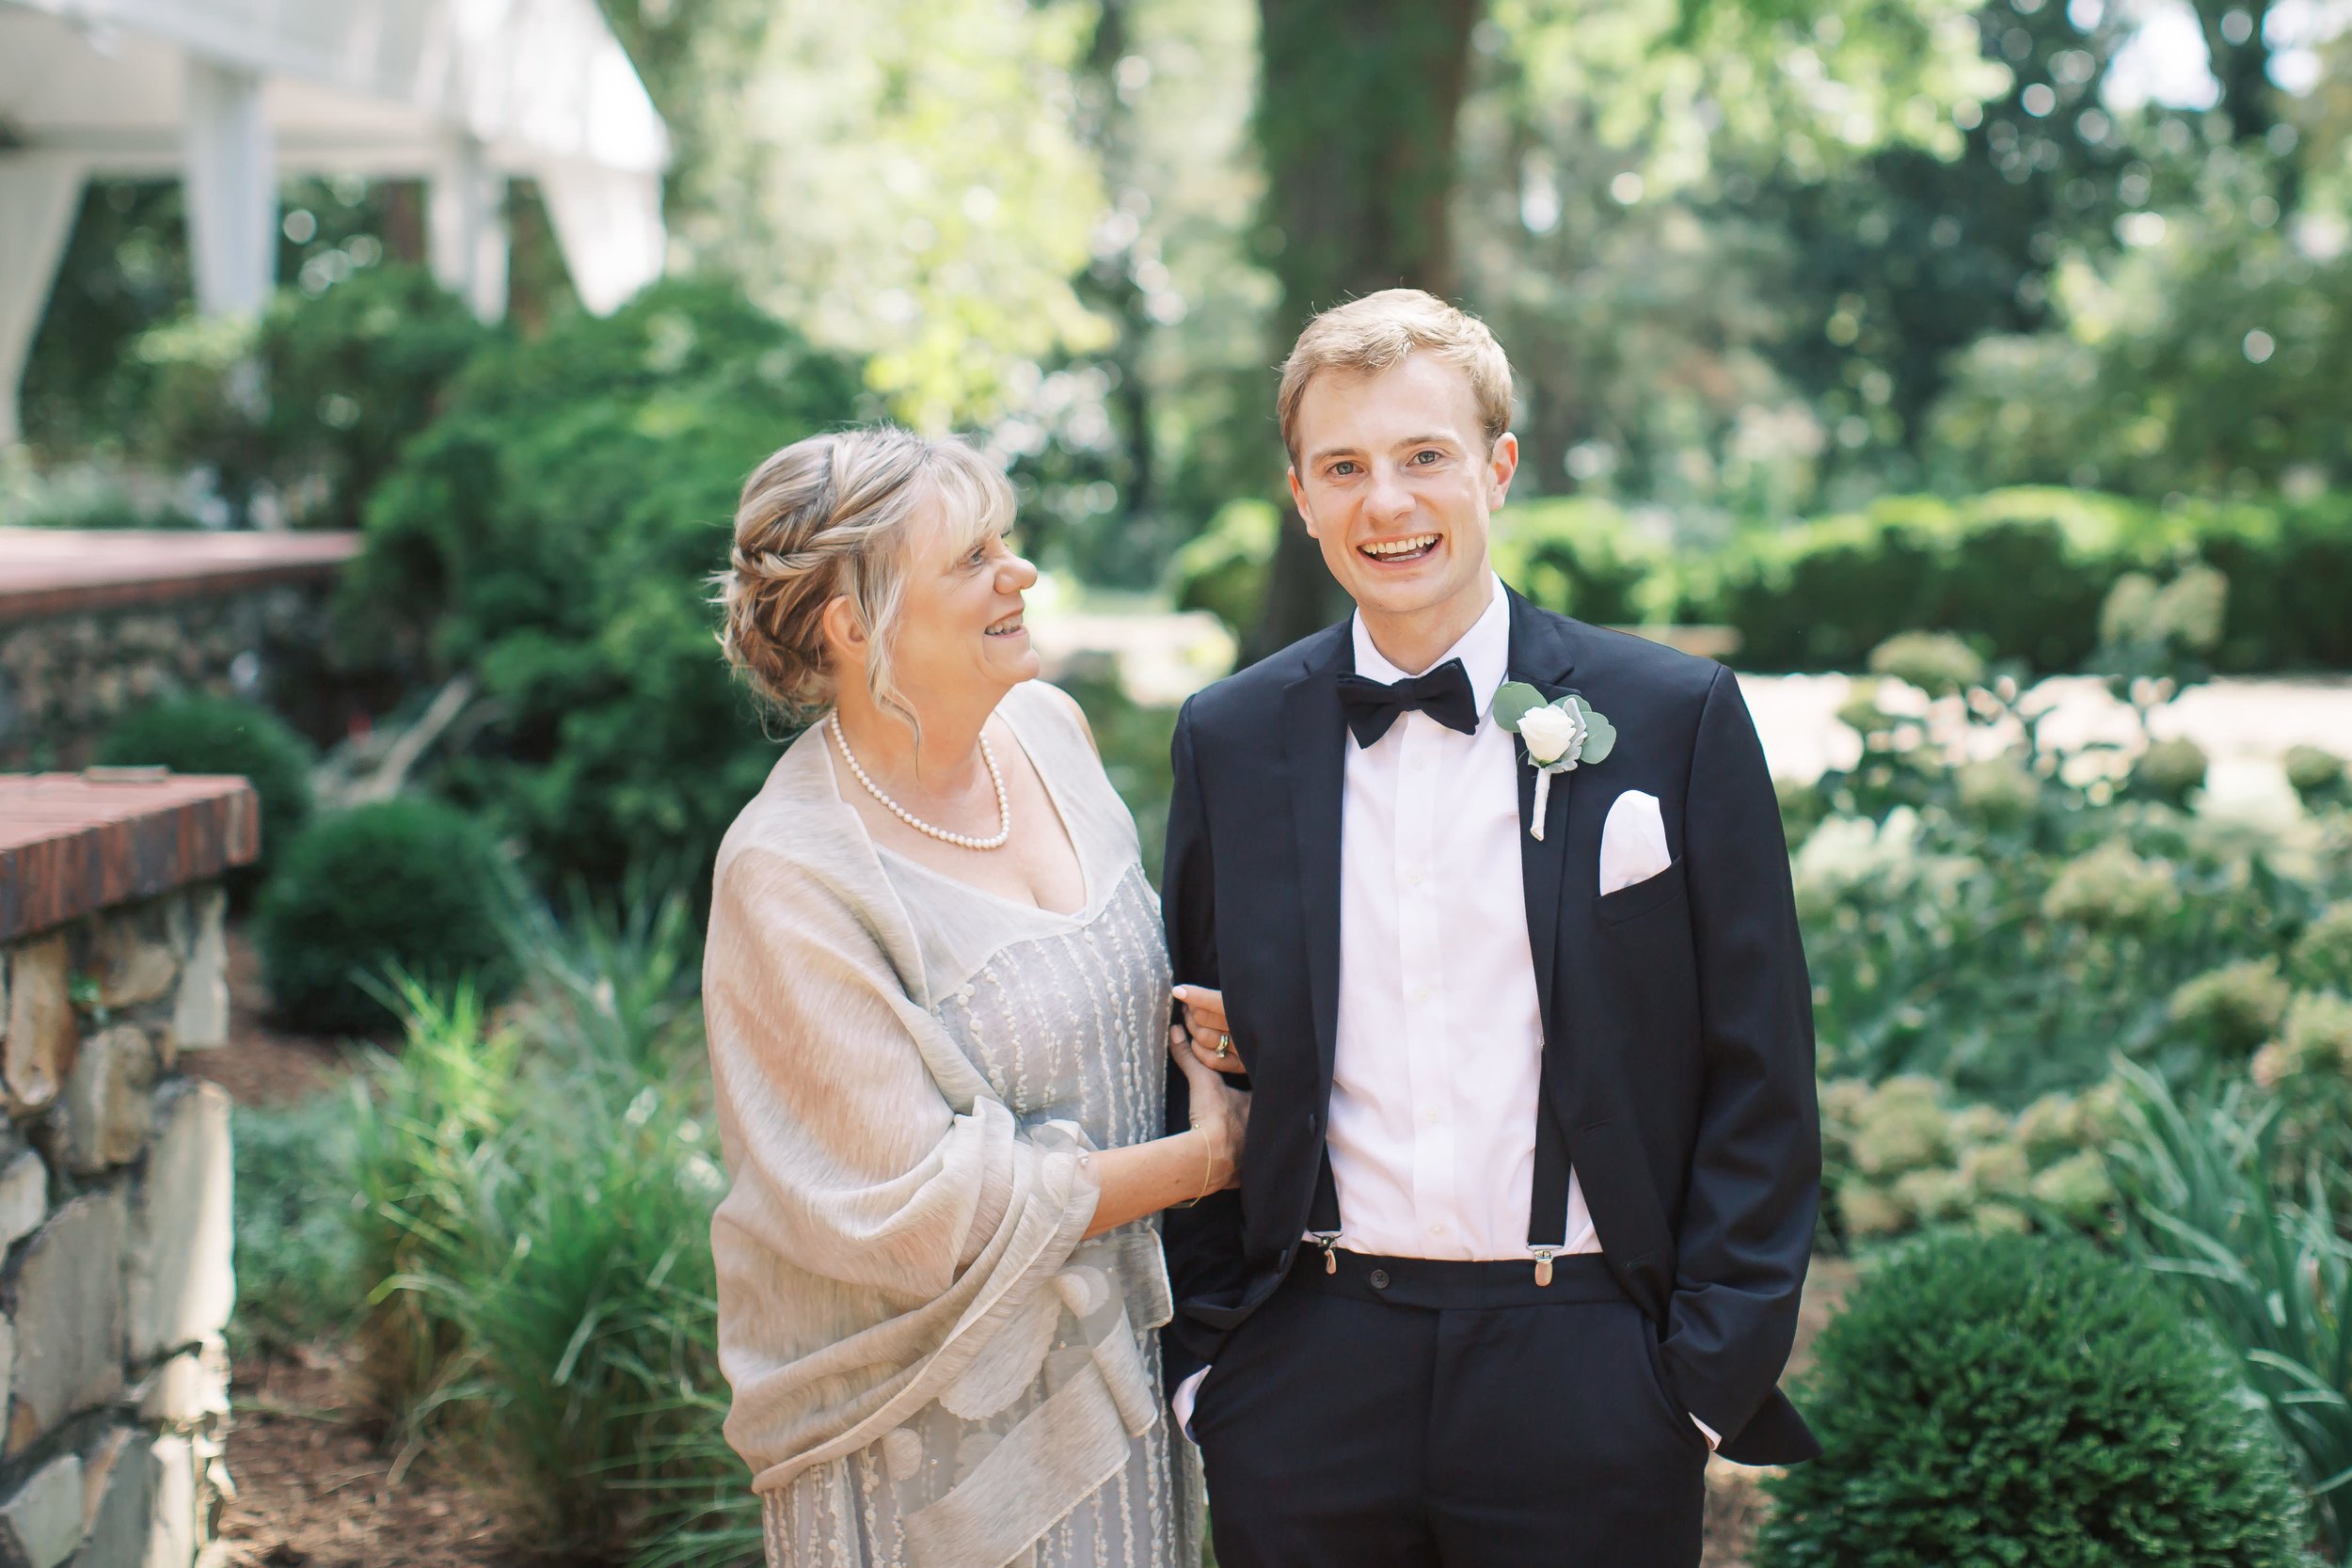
(1377, 332)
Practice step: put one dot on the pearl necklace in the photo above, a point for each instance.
(961, 841)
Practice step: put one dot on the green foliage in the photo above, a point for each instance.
(552, 533)
(1937, 662)
(537, 1201)
(1900, 1155)
(2316, 775)
(1585, 559)
(1223, 569)
(2232, 1009)
(296, 1259)
(221, 734)
(2013, 1401)
(312, 401)
(409, 884)
(1996, 914)
(2263, 1258)
(2202, 361)
(2054, 581)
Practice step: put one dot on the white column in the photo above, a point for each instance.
(466, 229)
(232, 190)
(38, 192)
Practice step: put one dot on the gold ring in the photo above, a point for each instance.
(1224, 1046)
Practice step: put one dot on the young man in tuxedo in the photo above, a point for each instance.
(1528, 1185)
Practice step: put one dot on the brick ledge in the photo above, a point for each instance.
(69, 846)
(46, 572)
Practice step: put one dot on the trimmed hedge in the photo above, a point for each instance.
(406, 883)
(2020, 573)
(2013, 1400)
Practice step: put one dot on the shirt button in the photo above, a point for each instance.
(1413, 881)
(1433, 1115)
(1420, 995)
(1437, 1230)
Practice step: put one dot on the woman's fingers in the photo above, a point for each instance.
(1217, 1050)
(1212, 1034)
(1203, 1008)
(1199, 1073)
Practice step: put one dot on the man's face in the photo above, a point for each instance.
(1395, 482)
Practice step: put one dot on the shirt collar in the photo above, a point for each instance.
(1484, 650)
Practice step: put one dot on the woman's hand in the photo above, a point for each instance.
(1212, 1036)
(1220, 1113)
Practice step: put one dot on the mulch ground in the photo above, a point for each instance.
(314, 1480)
(315, 1483)
(315, 1489)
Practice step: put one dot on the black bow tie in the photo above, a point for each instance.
(1443, 693)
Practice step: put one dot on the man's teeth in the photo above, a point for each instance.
(1386, 548)
(1010, 624)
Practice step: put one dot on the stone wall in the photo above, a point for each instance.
(114, 1207)
(93, 624)
(65, 678)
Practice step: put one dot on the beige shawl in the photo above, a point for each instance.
(891, 1237)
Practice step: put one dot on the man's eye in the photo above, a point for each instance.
(1427, 456)
(1342, 467)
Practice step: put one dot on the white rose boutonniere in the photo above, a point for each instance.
(1558, 735)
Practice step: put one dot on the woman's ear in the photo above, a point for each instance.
(844, 633)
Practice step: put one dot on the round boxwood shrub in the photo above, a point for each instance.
(2027, 1401)
(410, 884)
(220, 734)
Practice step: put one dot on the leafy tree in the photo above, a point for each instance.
(551, 535)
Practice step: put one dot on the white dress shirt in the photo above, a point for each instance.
(1437, 1076)
(1438, 1079)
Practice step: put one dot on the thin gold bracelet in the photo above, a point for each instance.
(1208, 1168)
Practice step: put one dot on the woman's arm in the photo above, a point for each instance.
(1143, 1178)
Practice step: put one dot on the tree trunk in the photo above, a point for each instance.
(1357, 110)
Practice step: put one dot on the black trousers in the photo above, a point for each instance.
(1404, 1412)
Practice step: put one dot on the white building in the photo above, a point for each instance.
(234, 95)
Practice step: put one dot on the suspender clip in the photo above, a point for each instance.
(1543, 1264)
(1329, 1241)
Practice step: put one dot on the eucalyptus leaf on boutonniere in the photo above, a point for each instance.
(1558, 735)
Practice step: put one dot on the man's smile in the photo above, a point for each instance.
(1412, 547)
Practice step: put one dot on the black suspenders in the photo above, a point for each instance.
(1548, 1211)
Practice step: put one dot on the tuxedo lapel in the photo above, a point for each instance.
(1315, 740)
(1541, 658)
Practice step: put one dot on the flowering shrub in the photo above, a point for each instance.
(1900, 1155)
(2006, 916)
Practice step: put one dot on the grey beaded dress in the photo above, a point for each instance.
(1065, 1017)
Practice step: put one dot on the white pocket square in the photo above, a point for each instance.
(1633, 842)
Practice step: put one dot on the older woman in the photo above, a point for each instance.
(938, 1005)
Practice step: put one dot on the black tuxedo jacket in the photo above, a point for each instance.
(1677, 1014)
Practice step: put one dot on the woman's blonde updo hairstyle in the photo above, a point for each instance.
(831, 515)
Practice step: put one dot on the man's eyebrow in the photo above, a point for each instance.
(1437, 439)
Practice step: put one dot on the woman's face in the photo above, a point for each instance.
(960, 637)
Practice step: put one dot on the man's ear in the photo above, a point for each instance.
(1298, 500)
(1501, 464)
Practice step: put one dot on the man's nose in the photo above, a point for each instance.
(1390, 496)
